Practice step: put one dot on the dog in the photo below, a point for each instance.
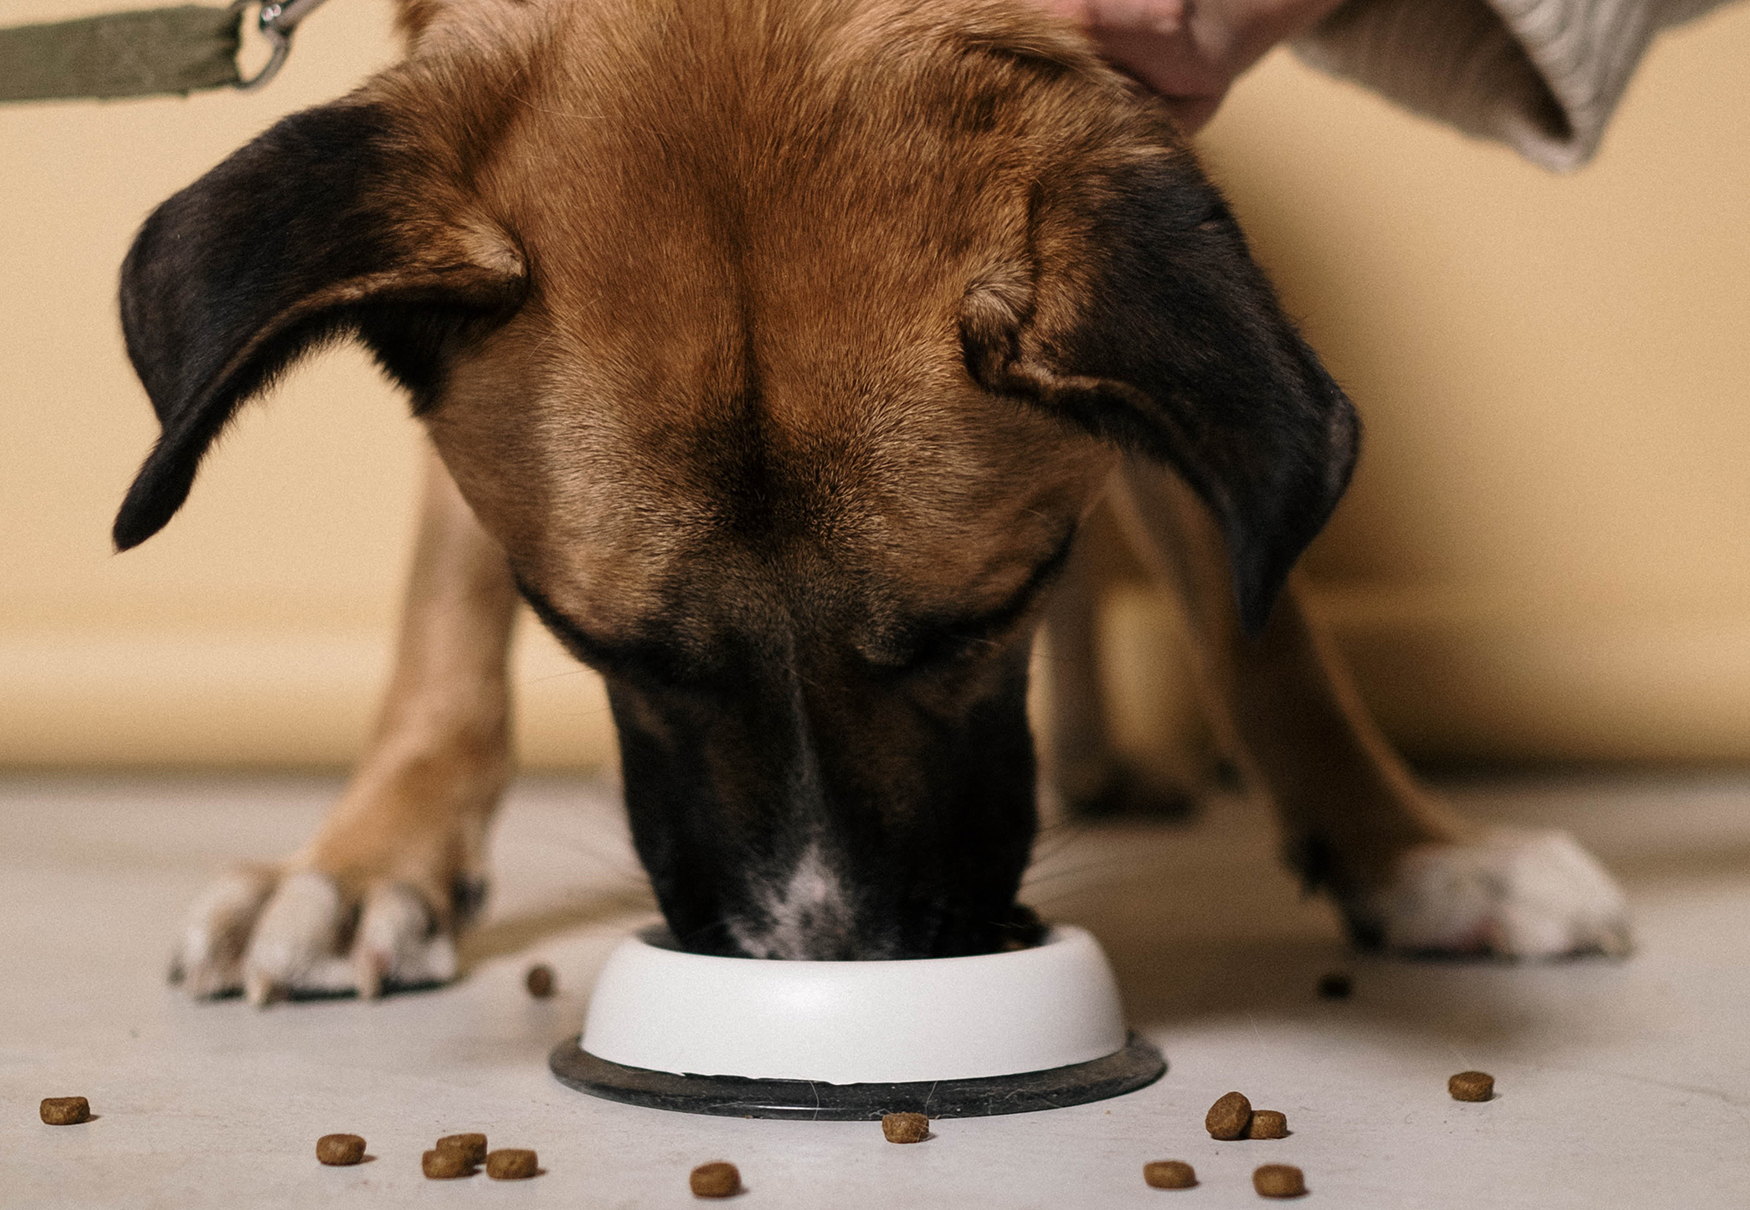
(775, 352)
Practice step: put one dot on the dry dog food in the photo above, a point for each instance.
(471, 1145)
(905, 1127)
(715, 1180)
(1169, 1174)
(1279, 1180)
(539, 981)
(1267, 1124)
(65, 1111)
(445, 1164)
(511, 1164)
(1229, 1117)
(1465, 1086)
(340, 1149)
(1335, 986)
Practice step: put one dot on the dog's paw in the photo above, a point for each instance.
(1508, 893)
(275, 935)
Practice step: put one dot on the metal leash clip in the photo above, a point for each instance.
(277, 21)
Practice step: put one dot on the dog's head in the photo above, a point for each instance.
(783, 350)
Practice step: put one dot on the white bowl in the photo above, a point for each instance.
(662, 1009)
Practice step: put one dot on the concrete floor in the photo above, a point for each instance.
(1620, 1084)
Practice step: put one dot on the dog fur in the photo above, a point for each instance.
(775, 352)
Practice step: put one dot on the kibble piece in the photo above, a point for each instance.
(715, 1180)
(340, 1149)
(471, 1145)
(539, 981)
(445, 1164)
(65, 1111)
(511, 1164)
(905, 1127)
(1465, 1086)
(1169, 1174)
(1229, 1117)
(1267, 1124)
(1279, 1180)
(1335, 986)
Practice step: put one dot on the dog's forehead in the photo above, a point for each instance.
(731, 490)
(741, 356)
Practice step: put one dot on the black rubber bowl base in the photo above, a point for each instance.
(1138, 1065)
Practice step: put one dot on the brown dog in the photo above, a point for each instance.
(775, 352)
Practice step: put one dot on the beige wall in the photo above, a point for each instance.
(256, 628)
(1547, 549)
(1544, 554)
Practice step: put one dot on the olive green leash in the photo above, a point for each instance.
(142, 53)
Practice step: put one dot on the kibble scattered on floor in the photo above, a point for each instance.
(473, 1146)
(1229, 1117)
(1169, 1174)
(540, 981)
(1471, 1086)
(1335, 986)
(716, 1179)
(1279, 1180)
(340, 1150)
(1267, 1124)
(65, 1111)
(512, 1164)
(445, 1164)
(905, 1127)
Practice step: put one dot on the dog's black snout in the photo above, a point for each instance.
(840, 823)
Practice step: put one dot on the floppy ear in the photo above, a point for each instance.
(1138, 314)
(334, 221)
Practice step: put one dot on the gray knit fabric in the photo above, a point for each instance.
(1542, 76)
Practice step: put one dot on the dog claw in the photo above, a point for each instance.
(258, 990)
(399, 943)
(300, 927)
(208, 961)
(367, 977)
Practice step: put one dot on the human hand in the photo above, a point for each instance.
(1189, 51)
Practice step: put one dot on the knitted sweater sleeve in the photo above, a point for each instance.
(1542, 76)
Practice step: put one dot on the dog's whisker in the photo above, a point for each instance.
(1049, 857)
(1065, 867)
(1055, 840)
(1080, 870)
(553, 676)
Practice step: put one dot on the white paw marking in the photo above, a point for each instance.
(271, 936)
(209, 961)
(296, 939)
(399, 943)
(1511, 893)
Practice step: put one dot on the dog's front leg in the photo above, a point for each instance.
(1408, 872)
(1092, 777)
(377, 895)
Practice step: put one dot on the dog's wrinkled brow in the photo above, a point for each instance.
(584, 646)
(930, 637)
(658, 648)
(917, 639)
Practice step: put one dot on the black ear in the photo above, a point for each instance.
(1138, 314)
(335, 221)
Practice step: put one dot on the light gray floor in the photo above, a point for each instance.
(1620, 1084)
